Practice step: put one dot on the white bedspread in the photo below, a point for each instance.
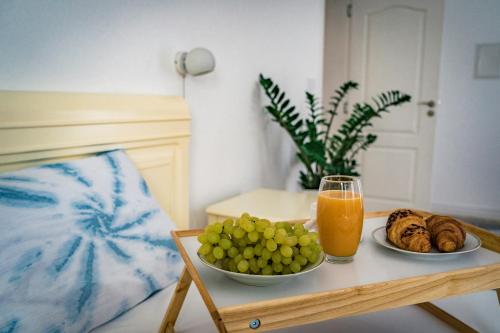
(479, 310)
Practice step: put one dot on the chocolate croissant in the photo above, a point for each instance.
(408, 231)
(447, 234)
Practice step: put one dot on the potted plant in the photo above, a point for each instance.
(322, 152)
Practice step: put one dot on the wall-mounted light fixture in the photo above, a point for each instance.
(196, 62)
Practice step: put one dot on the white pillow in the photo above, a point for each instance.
(80, 243)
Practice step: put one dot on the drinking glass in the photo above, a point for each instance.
(339, 217)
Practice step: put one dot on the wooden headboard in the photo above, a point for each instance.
(40, 127)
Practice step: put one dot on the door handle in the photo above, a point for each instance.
(430, 103)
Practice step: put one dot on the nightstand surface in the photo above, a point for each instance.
(274, 205)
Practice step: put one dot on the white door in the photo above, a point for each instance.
(395, 44)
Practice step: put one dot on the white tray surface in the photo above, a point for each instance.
(371, 264)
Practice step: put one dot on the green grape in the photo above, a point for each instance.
(277, 267)
(205, 249)
(261, 262)
(217, 227)
(242, 222)
(306, 251)
(253, 236)
(280, 236)
(238, 258)
(208, 228)
(211, 258)
(286, 251)
(228, 229)
(257, 249)
(248, 252)
(242, 242)
(271, 245)
(213, 238)
(225, 263)
(261, 225)
(225, 244)
(243, 266)
(232, 252)
(276, 256)
(299, 230)
(228, 223)
(267, 270)
(202, 238)
(266, 222)
(313, 257)
(291, 241)
(249, 226)
(286, 260)
(314, 246)
(288, 227)
(304, 240)
(280, 225)
(256, 246)
(252, 261)
(301, 260)
(232, 267)
(254, 268)
(269, 232)
(218, 252)
(266, 254)
(294, 267)
(238, 233)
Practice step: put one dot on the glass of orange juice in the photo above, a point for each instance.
(339, 217)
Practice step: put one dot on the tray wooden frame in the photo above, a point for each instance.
(315, 307)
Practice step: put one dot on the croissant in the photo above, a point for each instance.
(447, 234)
(408, 231)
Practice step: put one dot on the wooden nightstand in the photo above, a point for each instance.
(265, 203)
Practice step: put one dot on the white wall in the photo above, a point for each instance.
(127, 46)
(466, 171)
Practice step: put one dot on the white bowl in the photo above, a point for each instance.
(264, 280)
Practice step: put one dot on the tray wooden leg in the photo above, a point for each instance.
(498, 295)
(168, 323)
(454, 322)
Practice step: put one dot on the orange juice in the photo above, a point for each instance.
(340, 222)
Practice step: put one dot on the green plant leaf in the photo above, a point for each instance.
(322, 152)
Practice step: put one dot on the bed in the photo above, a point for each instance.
(37, 128)
(40, 127)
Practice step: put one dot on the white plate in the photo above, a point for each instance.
(264, 280)
(472, 243)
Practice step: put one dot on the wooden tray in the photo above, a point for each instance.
(378, 279)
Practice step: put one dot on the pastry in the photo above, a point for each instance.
(447, 234)
(407, 230)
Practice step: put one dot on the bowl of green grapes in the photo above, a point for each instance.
(257, 252)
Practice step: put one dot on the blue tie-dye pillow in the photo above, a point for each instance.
(80, 243)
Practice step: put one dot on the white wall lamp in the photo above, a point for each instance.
(196, 62)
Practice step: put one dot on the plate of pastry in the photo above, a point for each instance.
(432, 237)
